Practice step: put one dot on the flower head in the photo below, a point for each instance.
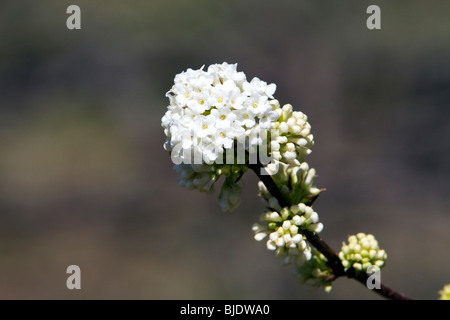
(362, 252)
(284, 231)
(210, 109)
(295, 183)
(291, 136)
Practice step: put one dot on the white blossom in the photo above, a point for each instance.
(292, 132)
(295, 181)
(206, 104)
(283, 231)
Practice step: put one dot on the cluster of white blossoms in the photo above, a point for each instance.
(295, 183)
(212, 113)
(291, 136)
(284, 226)
(216, 123)
(283, 230)
(362, 252)
(215, 113)
(211, 109)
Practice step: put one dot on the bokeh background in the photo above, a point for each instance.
(84, 179)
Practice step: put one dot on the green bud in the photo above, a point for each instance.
(357, 266)
(445, 293)
(362, 252)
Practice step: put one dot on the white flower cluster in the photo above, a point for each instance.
(291, 136)
(295, 183)
(211, 109)
(211, 112)
(362, 252)
(284, 232)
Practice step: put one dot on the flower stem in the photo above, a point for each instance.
(333, 260)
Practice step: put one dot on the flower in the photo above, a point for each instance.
(212, 113)
(361, 253)
(211, 109)
(291, 136)
(445, 293)
(283, 230)
(295, 183)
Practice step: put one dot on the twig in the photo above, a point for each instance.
(333, 260)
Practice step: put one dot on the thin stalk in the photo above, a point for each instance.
(333, 260)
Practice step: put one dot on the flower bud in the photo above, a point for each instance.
(445, 293)
(361, 253)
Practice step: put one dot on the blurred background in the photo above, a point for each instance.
(84, 178)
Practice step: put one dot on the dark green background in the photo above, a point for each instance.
(84, 179)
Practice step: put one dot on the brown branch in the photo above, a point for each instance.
(333, 260)
(384, 290)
